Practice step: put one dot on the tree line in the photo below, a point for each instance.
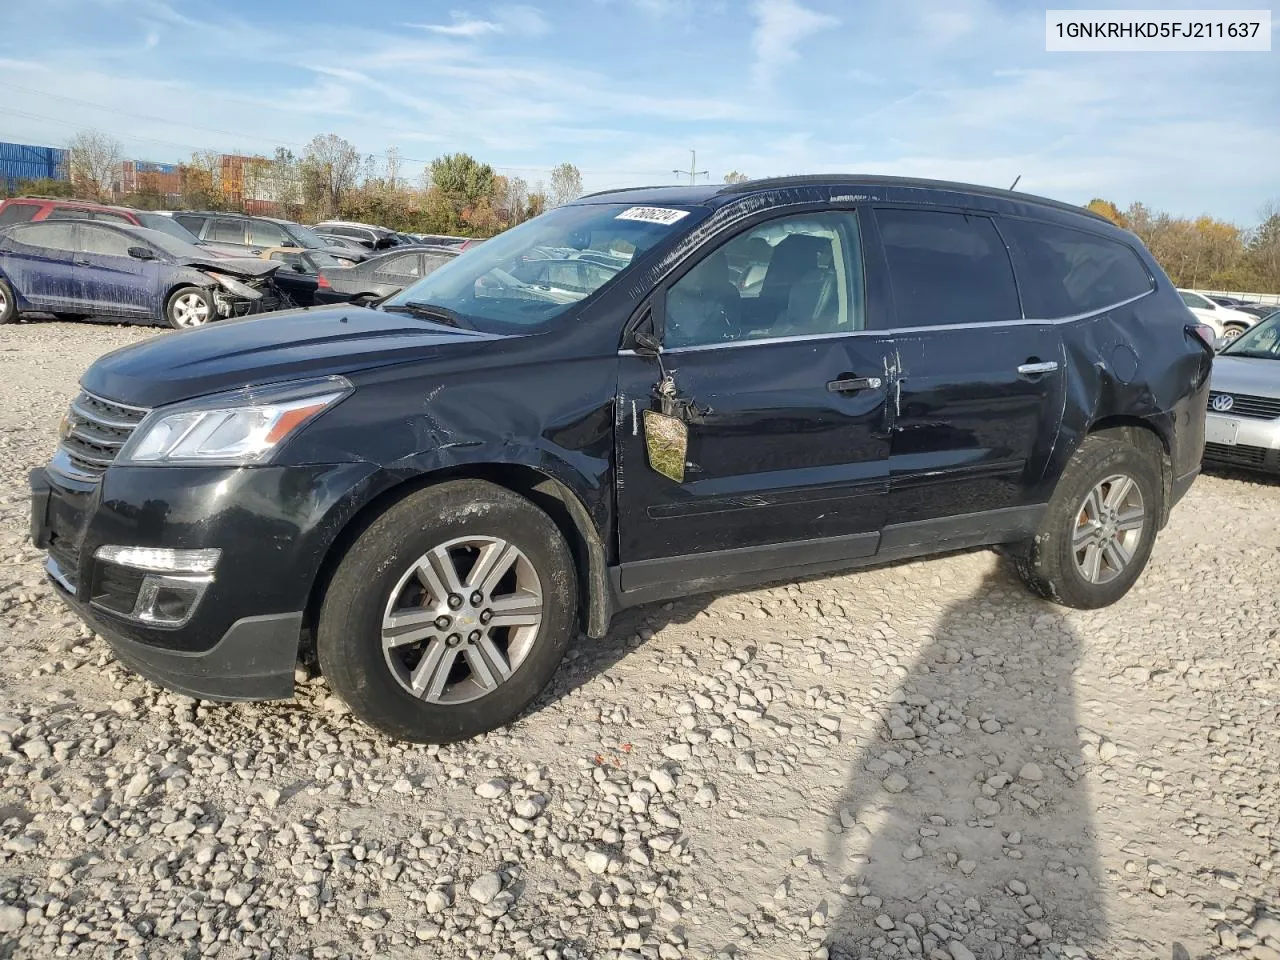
(457, 194)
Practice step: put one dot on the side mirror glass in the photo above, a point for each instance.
(141, 253)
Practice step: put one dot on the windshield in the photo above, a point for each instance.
(1261, 340)
(530, 275)
(305, 236)
(163, 224)
(322, 259)
(173, 246)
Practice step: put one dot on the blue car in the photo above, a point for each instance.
(79, 268)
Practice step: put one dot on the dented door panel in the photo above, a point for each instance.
(773, 454)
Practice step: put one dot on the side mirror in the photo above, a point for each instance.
(141, 253)
(646, 344)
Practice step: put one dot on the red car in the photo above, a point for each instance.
(25, 209)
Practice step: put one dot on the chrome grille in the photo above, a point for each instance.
(1244, 405)
(94, 430)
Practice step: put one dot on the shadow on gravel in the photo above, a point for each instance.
(947, 831)
(1241, 475)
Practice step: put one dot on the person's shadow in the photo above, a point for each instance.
(965, 818)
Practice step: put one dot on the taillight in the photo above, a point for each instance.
(322, 282)
(1205, 332)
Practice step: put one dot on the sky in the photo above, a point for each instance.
(624, 89)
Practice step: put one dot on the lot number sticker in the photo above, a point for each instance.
(663, 215)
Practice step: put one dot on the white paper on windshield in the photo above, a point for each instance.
(663, 215)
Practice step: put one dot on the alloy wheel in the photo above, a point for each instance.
(190, 310)
(4, 302)
(462, 619)
(1108, 528)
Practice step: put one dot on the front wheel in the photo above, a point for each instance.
(1231, 333)
(449, 614)
(1099, 528)
(8, 303)
(189, 307)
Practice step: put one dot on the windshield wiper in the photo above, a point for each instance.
(428, 311)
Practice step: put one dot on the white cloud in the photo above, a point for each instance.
(461, 27)
(522, 20)
(780, 26)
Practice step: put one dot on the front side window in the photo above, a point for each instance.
(262, 234)
(530, 275)
(227, 231)
(1065, 272)
(947, 268)
(103, 242)
(795, 276)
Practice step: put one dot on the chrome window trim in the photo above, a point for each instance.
(889, 331)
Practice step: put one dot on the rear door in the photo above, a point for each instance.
(111, 281)
(40, 264)
(979, 389)
(785, 392)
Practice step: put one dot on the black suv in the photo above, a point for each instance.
(259, 233)
(640, 395)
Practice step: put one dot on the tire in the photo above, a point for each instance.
(380, 585)
(189, 307)
(1230, 333)
(1057, 566)
(8, 303)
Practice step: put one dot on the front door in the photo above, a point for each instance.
(783, 393)
(980, 388)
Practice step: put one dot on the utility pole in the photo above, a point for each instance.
(693, 173)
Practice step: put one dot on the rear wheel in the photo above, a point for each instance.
(1230, 333)
(449, 614)
(189, 307)
(8, 303)
(1099, 528)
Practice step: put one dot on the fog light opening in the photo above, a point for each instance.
(168, 601)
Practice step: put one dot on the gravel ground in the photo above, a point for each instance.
(915, 761)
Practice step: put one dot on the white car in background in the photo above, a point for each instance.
(1227, 323)
(1242, 427)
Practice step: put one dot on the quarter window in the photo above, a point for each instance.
(194, 224)
(947, 268)
(1065, 272)
(794, 276)
(18, 213)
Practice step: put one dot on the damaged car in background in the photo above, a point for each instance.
(80, 268)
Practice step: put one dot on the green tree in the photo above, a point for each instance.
(330, 168)
(462, 180)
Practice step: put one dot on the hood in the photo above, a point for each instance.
(236, 266)
(347, 253)
(1251, 375)
(268, 348)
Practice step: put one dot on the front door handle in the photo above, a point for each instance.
(852, 384)
(81, 263)
(1037, 368)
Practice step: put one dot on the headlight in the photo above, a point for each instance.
(231, 428)
(234, 286)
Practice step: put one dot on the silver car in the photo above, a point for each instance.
(1243, 424)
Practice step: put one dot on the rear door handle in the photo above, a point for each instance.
(1033, 369)
(81, 263)
(851, 384)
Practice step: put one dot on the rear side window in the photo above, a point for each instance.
(406, 266)
(433, 262)
(17, 213)
(227, 231)
(103, 242)
(947, 268)
(1065, 272)
(49, 236)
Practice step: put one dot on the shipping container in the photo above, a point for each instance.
(144, 176)
(20, 161)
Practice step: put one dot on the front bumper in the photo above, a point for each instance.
(1242, 442)
(273, 526)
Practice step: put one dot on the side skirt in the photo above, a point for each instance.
(648, 581)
